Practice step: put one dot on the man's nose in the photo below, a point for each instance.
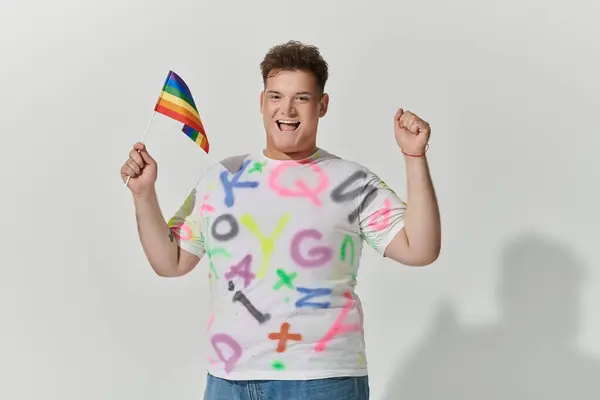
(288, 110)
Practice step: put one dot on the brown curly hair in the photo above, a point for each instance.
(294, 56)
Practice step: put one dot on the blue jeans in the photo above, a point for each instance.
(346, 388)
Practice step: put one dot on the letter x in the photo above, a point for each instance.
(257, 167)
(285, 279)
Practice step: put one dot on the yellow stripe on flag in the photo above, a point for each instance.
(180, 102)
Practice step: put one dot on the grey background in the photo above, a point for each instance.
(509, 311)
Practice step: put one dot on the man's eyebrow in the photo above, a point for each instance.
(270, 91)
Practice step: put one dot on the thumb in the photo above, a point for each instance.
(146, 157)
(398, 114)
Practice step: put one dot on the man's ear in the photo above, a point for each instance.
(323, 105)
(261, 99)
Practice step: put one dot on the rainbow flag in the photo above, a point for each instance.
(176, 101)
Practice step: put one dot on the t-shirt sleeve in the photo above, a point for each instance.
(381, 213)
(187, 224)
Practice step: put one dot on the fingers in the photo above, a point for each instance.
(424, 128)
(139, 146)
(414, 125)
(126, 171)
(138, 159)
(147, 158)
(134, 166)
(406, 120)
(398, 114)
(411, 122)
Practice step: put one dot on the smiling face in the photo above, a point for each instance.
(291, 105)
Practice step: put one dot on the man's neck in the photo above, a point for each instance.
(278, 155)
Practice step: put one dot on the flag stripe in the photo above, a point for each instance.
(190, 132)
(180, 110)
(179, 117)
(180, 102)
(175, 81)
(178, 93)
(204, 145)
(176, 102)
(197, 137)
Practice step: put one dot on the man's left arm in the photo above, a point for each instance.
(419, 243)
(407, 232)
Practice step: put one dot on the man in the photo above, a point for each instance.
(282, 229)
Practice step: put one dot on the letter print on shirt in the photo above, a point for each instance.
(233, 227)
(312, 293)
(257, 167)
(339, 327)
(320, 255)
(267, 242)
(342, 193)
(283, 336)
(348, 242)
(234, 183)
(212, 251)
(234, 347)
(381, 218)
(243, 270)
(303, 189)
(285, 279)
(240, 297)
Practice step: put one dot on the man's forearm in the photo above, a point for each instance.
(157, 240)
(422, 217)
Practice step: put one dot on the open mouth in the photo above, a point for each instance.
(287, 125)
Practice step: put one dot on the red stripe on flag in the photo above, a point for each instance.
(181, 118)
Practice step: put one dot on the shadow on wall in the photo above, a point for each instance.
(530, 354)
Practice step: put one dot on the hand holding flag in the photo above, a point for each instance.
(142, 168)
(175, 101)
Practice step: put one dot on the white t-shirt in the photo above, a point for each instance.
(283, 241)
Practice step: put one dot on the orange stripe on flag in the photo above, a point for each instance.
(203, 142)
(172, 110)
(179, 110)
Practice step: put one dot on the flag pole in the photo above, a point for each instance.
(144, 138)
(151, 119)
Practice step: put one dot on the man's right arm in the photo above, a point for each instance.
(158, 241)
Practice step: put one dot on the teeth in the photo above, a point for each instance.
(282, 121)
